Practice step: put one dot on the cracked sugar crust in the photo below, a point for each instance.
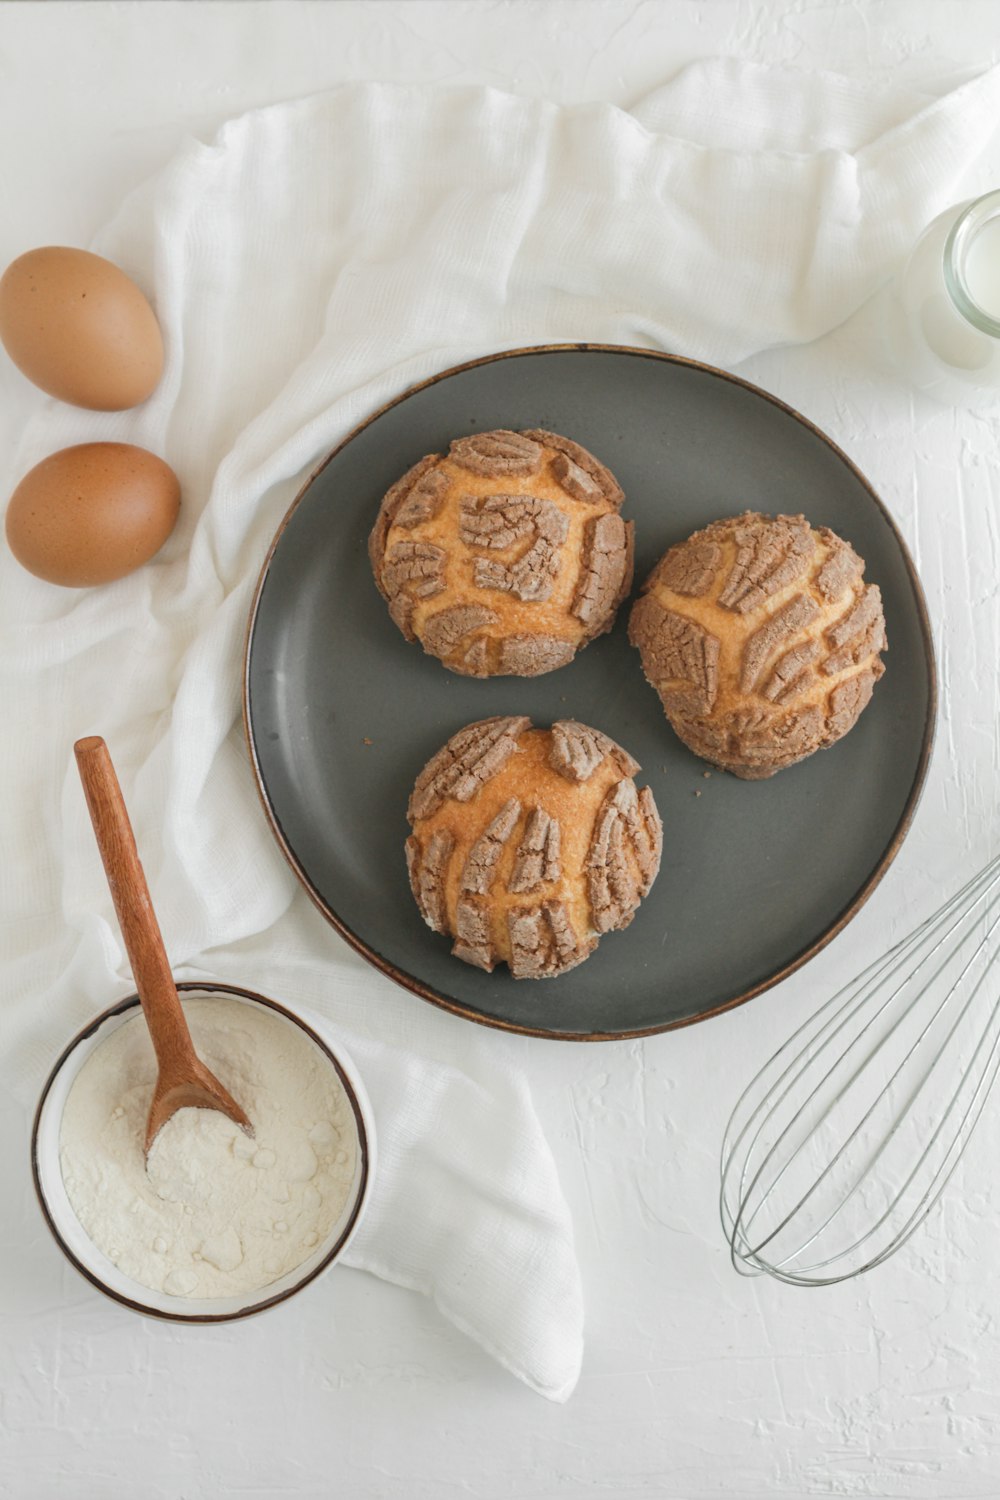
(770, 554)
(533, 655)
(762, 640)
(391, 507)
(451, 634)
(469, 760)
(605, 573)
(679, 656)
(499, 521)
(528, 844)
(481, 861)
(576, 751)
(414, 568)
(543, 942)
(497, 454)
(579, 472)
(624, 855)
(427, 868)
(505, 555)
(537, 861)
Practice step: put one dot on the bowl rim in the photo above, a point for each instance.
(365, 1151)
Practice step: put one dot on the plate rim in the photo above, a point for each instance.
(412, 982)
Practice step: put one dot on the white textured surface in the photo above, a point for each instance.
(695, 1383)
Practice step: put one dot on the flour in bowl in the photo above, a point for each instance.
(218, 1213)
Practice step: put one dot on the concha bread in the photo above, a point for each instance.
(762, 640)
(528, 844)
(506, 555)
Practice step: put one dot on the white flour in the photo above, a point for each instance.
(217, 1213)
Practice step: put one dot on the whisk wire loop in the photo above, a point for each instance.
(882, 1043)
(773, 1132)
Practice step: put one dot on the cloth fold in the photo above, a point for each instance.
(310, 262)
(490, 1240)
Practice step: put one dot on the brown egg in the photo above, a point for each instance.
(92, 513)
(79, 328)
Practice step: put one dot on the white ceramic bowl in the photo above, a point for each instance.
(79, 1248)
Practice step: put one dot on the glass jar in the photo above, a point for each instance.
(950, 294)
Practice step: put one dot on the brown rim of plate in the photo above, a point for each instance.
(129, 1003)
(409, 981)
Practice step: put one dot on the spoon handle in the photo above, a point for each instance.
(140, 929)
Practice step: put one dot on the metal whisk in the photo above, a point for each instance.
(846, 1138)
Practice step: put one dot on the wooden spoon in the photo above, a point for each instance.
(183, 1080)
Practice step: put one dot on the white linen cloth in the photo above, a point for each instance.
(312, 261)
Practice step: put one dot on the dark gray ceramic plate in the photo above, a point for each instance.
(341, 713)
